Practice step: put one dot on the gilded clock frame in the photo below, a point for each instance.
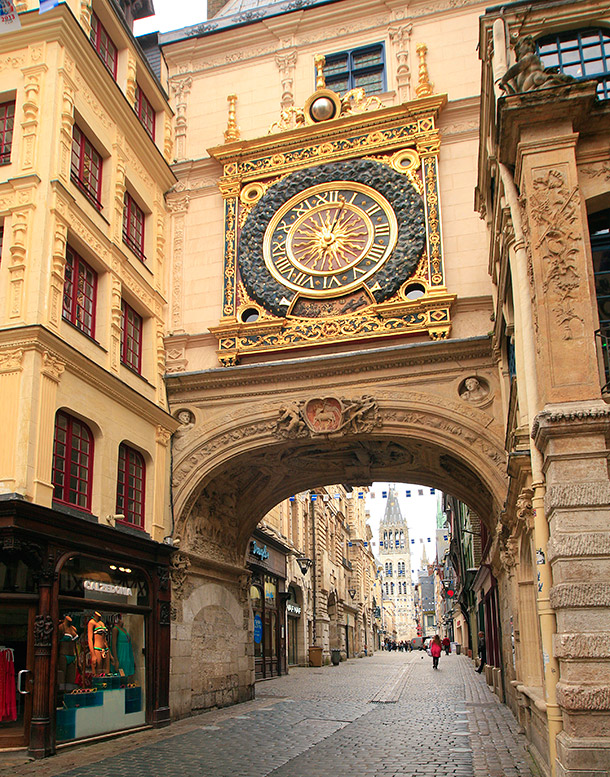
(402, 136)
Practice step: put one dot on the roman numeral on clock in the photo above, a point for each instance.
(302, 279)
(331, 196)
(376, 252)
(284, 266)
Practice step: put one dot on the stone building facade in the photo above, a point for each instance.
(84, 463)
(476, 373)
(334, 311)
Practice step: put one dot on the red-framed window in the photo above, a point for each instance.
(86, 167)
(102, 43)
(72, 461)
(130, 487)
(133, 226)
(80, 292)
(131, 338)
(7, 120)
(146, 112)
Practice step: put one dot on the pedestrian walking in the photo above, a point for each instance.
(446, 645)
(482, 649)
(435, 651)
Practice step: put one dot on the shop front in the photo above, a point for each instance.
(267, 562)
(84, 640)
(293, 616)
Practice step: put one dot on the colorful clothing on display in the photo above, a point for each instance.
(8, 689)
(124, 652)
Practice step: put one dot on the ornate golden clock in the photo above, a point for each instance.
(330, 238)
(332, 227)
(329, 232)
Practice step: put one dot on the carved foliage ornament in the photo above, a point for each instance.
(555, 210)
(328, 415)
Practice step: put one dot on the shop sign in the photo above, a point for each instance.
(293, 609)
(258, 629)
(259, 551)
(106, 588)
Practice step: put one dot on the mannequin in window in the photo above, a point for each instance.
(121, 647)
(66, 665)
(99, 649)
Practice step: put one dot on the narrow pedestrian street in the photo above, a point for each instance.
(389, 715)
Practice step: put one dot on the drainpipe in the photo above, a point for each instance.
(312, 515)
(546, 614)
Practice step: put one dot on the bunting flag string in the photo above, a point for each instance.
(359, 494)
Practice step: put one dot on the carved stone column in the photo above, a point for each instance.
(400, 38)
(178, 205)
(286, 62)
(162, 438)
(181, 87)
(11, 369)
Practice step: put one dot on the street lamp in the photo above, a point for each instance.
(304, 564)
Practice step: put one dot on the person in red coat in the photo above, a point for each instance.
(435, 651)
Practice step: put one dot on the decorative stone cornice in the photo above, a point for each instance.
(568, 595)
(570, 419)
(412, 354)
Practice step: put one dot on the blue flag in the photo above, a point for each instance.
(46, 5)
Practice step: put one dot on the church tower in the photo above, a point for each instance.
(395, 560)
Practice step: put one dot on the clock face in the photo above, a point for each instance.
(351, 230)
(330, 238)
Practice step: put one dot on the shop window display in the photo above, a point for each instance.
(101, 677)
(100, 684)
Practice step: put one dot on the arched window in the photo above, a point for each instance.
(392, 587)
(131, 481)
(583, 54)
(72, 461)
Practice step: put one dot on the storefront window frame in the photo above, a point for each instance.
(61, 603)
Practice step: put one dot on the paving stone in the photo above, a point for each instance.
(389, 715)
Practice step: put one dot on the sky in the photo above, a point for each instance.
(418, 510)
(172, 15)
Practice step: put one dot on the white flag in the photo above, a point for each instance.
(9, 18)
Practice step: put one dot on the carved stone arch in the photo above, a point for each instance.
(231, 475)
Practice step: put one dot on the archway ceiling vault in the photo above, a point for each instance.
(227, 505)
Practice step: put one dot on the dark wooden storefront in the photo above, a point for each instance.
(41, 552)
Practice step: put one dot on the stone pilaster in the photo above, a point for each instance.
(51, 371)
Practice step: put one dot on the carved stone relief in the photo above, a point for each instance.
(327, 415)
(555, 210)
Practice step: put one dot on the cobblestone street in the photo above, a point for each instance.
(390, 715)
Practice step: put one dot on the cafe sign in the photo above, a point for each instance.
(293, 609)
